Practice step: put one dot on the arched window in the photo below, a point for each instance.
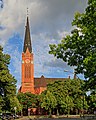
(27, 71)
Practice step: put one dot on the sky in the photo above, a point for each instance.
(50, 21)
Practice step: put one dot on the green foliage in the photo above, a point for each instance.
(48, 101)
(27, 100)
(79, 48)
(68, 94)
(92, 100)
(1, 103)
(7, 82)
(15, 104)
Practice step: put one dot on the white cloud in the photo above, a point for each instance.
(44, 62)
(50, 20)
(44, 15)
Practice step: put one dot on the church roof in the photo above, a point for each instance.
(42, 81)
(27, 40)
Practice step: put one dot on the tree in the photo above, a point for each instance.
(92, 101)
(78, 93)
(79, 48)
(7, 82)
(1, 103)
(27, 100)
(15, 104)
(68, 94)
(49, 101)
(69, 103)
(59, 90)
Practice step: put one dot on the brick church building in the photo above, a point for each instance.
(30, 83)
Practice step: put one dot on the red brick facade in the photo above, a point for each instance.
(27, 72)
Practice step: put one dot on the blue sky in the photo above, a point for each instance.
(50, 21)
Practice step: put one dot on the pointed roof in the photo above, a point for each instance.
(27, 40)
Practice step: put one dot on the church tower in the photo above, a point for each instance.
(27, 84)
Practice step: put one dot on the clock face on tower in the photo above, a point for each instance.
(22, 61)
(31, 62)
(27, 61)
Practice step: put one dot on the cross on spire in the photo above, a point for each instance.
(27, 11)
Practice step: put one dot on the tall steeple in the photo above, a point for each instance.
(27, 39)
(27, 84)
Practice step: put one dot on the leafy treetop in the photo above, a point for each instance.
(79, 48)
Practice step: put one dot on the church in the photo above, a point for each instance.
(29, 83)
